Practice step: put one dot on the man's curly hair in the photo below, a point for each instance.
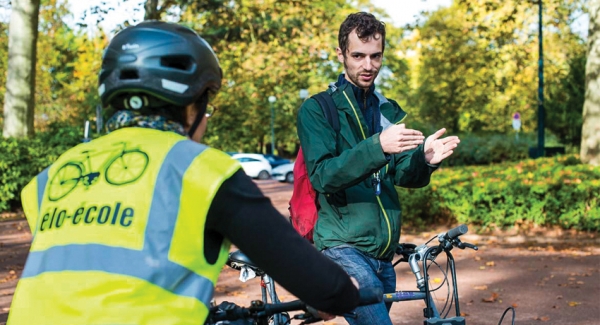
(366, 26)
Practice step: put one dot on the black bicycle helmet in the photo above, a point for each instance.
(169, 62)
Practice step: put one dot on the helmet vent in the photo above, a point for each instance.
(129, 75)
(178, 62)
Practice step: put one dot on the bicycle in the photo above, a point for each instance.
(122, 167)
(417, 257)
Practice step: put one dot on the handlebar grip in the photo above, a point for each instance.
(369, 296)
(458, 231)
(271, 309)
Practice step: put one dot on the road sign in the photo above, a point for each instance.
(516, 121)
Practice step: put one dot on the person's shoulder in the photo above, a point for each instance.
(391, 102)
(309, 106)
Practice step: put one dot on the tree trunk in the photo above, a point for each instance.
(20, 81)
(590, 132)
(152, 12)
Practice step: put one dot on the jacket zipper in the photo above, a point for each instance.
(387, 219)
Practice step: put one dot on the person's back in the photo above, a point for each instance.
(122, 244)
(135, 226)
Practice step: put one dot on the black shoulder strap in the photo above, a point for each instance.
(328, 106)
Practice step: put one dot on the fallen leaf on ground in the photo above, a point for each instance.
(490, 263)
(483, 287)
(492, 298)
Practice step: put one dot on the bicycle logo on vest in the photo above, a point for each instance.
(122, 167)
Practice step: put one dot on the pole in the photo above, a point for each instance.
(541, 112)
(272, 129)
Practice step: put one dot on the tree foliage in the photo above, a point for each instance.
(267, 48)
(478, 60)
(467, 68)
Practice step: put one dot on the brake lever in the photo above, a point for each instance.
(462, 245)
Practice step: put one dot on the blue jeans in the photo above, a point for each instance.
(369, 272)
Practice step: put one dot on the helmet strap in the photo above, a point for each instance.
(200, 105)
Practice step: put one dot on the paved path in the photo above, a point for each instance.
(551, 279)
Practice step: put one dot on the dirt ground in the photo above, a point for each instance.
(547, 277)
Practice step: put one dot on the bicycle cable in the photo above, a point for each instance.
(429, 241)
(449, 298)
(504, 313)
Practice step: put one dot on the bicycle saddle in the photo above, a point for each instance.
(238, 259)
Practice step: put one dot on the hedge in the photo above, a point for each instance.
(557, 191)
(22, 159)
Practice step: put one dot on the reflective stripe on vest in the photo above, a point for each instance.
(42, 179)
(163, 214)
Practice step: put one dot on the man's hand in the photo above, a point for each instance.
(437, 149)
(397, 139)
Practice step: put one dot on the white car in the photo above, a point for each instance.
(284, 173)
(254, 165)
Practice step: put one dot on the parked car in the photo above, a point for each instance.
(276, 160)
(254, 165)
(284, 173)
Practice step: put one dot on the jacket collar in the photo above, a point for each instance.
(360, 94)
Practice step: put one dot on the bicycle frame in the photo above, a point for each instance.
(430, 312)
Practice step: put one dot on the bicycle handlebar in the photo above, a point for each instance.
(455, 232)
(258, 309)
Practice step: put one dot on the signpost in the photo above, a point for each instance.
(516, 123)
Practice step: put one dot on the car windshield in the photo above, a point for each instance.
(273, 158)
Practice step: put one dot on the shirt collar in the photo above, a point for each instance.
(359, 93)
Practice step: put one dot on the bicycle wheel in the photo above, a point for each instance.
(126, 168)
(64, 181)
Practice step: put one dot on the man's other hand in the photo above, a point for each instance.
(437, 149)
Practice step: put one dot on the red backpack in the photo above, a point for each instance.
(304, 206)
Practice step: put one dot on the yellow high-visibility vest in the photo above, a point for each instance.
(118, 233)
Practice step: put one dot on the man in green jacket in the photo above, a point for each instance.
(355, 170)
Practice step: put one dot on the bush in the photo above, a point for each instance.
(22, 159)
(493, 148)
(556, 191)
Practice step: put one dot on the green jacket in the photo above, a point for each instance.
(342, 168)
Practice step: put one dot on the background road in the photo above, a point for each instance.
(551, 278)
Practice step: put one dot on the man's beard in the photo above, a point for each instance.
(355, 78)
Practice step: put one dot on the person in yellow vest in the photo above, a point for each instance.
(135, 226)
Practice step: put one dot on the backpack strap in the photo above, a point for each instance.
(328, 106)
